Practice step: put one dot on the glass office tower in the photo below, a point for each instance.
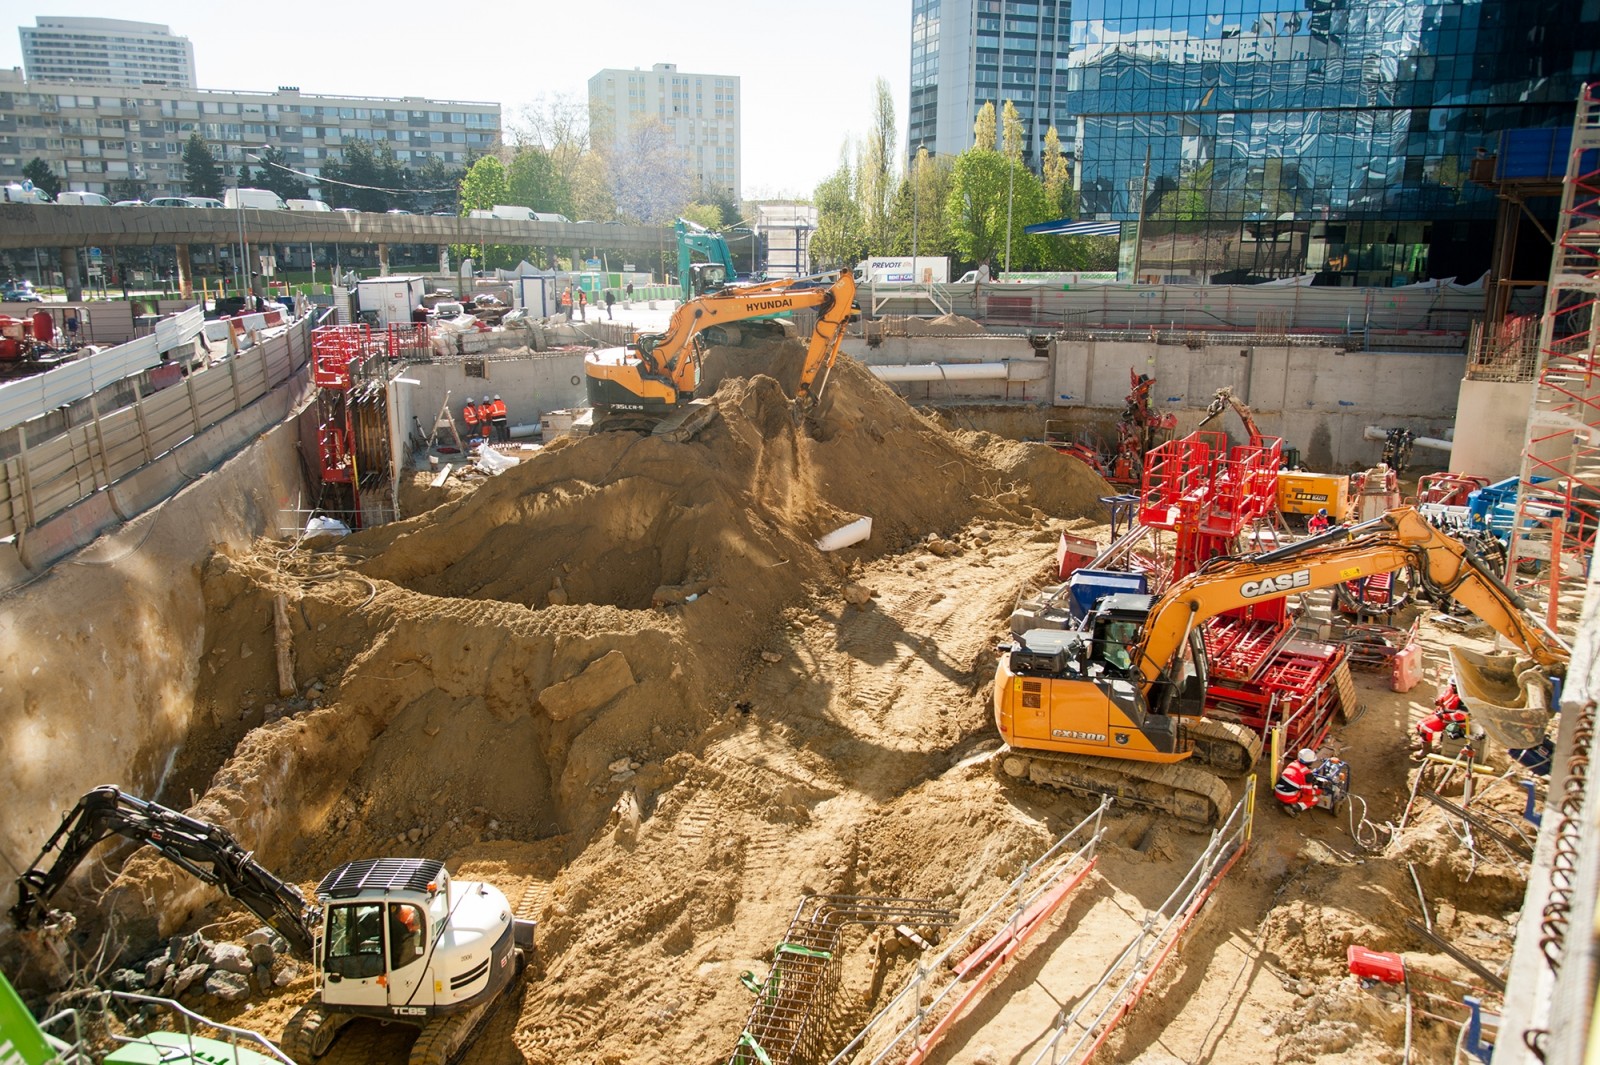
(1270, 138)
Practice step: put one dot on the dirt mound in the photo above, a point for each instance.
(946, 325)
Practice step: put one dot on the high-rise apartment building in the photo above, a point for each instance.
(1325, 136)
(966, 53)
(106, 51)
(94, 139)
(701, 112)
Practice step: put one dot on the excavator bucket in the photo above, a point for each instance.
(1507, 695)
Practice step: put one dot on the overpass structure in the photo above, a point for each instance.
(68, 228)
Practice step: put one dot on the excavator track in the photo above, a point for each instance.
(1191, 795)
(1226, 748)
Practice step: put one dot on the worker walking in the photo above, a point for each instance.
(1295, 788)
(502, 428)
(611, 297)
(583, 303)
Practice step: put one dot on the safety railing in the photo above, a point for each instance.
(1080, 1031)
(941, 988)
(185, 1041)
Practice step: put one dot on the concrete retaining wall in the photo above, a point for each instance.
(1494, 420)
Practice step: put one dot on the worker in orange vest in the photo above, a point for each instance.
(566, 301)
(486, 419)
(469, 413)
(497, 417)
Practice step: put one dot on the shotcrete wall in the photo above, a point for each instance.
(99, 657)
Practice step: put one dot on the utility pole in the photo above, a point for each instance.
(916, 173)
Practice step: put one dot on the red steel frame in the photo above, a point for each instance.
(1559, 481)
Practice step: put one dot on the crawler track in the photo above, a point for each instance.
(1191, 795)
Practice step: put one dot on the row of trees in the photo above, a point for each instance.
(957, 206)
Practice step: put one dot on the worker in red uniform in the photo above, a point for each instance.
(486, 419)
(1318, 522)
(469, 414)
(1295, 788)
(1449, 718)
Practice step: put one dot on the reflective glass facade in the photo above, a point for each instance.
(1320, 135)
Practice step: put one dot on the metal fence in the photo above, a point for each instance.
(44, 478)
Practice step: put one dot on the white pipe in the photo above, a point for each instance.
(943, 371)
(522, 432)
(1372, 432)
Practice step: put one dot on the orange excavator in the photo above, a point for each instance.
(642, 386)
(1117, 706)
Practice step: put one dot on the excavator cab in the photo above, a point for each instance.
(707, 277)
(1118, 624)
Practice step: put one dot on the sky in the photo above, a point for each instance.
(806, 69)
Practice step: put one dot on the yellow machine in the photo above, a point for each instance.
(1116, 707)
(1306, 493)
(637, 386)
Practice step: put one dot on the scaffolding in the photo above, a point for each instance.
(1558, 487)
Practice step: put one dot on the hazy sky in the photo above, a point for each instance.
(806, 67)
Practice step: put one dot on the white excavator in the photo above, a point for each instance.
(395, 939)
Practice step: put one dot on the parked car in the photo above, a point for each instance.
(83, 199)
(347, 210)
(396, 210)
(131, 203)
(204, 201)
(14, 292)
(308, 205)
(170, 201)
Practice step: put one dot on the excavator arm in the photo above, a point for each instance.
(673, 354)
(1225, 399)
(1393, 541)
(205, 851)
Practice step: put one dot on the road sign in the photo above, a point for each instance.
(94, 253)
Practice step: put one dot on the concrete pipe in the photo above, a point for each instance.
(943, 371)
(522, 432)
(1372, 432)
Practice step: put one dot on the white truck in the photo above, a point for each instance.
(391, 300)
(904, 270)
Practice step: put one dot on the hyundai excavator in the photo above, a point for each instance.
(641, 386)
(394, 939)
(1116, 707)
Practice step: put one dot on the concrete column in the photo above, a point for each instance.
(444, 258)
(383, 259)
(185, 272)
(69, 275)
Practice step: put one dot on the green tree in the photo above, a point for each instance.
(1013, 133)
(44, 179)
(533, 181)
(126, 189)
(975, 210)
(363, 178)
(840, 238)
(438, 182)
(875, 174)
(919, 207)
(274, 174)
(1057, 176)
(200, 174)
(244, 178)
(484, 186)
(983, 129)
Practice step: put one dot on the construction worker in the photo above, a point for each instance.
(1318, 522)
(1295, 788)
(486, 419)
(1449, 718)
(497, 415)
(469, 414)
(583, 303)
(566, 302)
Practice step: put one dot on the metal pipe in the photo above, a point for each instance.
(943, 371)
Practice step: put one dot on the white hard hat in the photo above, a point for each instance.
(1307, 755)
(496, 397)
(485, 399)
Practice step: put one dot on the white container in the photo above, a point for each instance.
(846, 535)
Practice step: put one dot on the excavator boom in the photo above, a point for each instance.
(205, 851)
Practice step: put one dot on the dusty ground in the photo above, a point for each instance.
(780, 733)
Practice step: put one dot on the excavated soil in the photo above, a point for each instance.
(621, 683)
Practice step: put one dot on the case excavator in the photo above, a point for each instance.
(394, 939)
(1116, 707)
(649, 386)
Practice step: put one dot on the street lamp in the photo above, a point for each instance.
(1011, 188)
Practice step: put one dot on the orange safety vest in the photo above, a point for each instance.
(470, 413)
(498, 408)
(566, 298)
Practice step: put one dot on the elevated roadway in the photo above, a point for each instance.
(68, 228)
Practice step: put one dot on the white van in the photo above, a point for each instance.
(83, 199)
(24, 194)
(512, 213)
(260, 199)
(309, 205)
(205, 201)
